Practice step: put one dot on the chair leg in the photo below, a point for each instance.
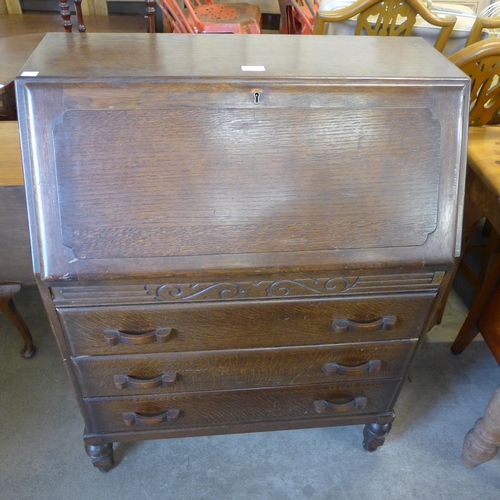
(7, 291)
(491, 249)
(482, 442)
(469, 329)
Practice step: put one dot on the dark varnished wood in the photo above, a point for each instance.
(327, 421)
(243, 368)
(241, 325)
(229, 407)
(244, 235)
(268, 263)
(101, 455)
(150, 12)
(374, 435)
(227, 288)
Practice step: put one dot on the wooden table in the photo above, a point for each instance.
(14, 52)
(483, 199)
(11, 25)
(15, 253)
(20, 35)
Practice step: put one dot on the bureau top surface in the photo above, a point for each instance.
(143, 55)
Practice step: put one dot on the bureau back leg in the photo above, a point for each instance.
(7, 291)
(101, 455)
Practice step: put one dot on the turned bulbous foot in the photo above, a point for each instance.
(374, 435)
(101, 455)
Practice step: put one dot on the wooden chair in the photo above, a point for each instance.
(297, 16)
(202, 16)
(387, 18)
(487, 20)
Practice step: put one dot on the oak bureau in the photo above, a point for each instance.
(239, 233)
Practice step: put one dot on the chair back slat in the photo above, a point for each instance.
(481, 62)
(387, 18)
(174, 11)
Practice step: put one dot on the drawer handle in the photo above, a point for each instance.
(372, 366)
(165, 380)
(132, 418)
(161, 335)
(346, 325)
(321, 405)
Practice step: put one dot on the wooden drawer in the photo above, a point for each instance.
(246, 324)
(224, 408)
(240, 369)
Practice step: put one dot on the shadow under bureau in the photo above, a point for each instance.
(240, 233)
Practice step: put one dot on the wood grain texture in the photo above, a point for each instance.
(273, 231)
(227, 203)
(237, 406)
(240, 369)
(232, 288)
(195, 248)
(483, 156)
(169, 55)
(489, 322)
(243, 325)
(11, 168)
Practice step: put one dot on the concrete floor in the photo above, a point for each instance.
(42, 455)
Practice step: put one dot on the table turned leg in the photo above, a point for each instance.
(482, 442)
(101, 455)
(9, 309)
(66, 15)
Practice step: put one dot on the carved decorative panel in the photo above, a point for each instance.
(387, 18)
(265, 289)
